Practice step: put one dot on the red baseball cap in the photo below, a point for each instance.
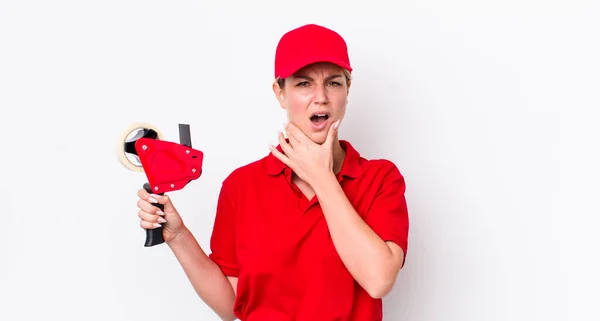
(309, 44)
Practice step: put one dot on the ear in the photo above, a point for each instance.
(279, 94)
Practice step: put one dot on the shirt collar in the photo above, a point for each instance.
(351, 167)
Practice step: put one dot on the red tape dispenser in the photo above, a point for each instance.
(168, 166)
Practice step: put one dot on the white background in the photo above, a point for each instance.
(489, 109)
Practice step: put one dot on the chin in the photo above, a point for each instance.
(318, 138)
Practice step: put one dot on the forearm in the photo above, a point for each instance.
(208, 281)
(366, 256)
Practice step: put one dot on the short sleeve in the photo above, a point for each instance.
(388, 213)
(223, 239)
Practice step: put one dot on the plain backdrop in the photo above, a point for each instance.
(488, 108)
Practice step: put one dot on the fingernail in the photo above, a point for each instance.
(157, 225)
(152, 200)
(162, 220)
(161, 213)
(336, 124)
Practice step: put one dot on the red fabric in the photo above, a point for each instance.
(309, 44)
(276, 241)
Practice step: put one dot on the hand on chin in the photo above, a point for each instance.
(310, 156)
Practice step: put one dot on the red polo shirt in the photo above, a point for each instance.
(276, 241)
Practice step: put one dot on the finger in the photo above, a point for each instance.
(151, 218)
(149, 225)
(161, 199)
(148, 207)
(142, 193)
(279, 155)
(148, 198)
(285, 146)
(333, 129)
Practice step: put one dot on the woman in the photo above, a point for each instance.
(312, 231)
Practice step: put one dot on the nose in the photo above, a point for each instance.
(321, 97)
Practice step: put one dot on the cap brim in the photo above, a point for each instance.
(303, 63)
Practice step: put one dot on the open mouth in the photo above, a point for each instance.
(319, 118)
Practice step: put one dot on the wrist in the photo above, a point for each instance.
(179, 237)
(325, 182)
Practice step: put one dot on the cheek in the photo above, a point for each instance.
(340, 103)
(298, 103)
(302, 97)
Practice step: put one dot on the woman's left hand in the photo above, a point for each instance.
(309, 160)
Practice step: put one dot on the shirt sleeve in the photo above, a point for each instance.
(223, 239)
(388, 213)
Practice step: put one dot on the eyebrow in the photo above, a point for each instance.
(310, 79)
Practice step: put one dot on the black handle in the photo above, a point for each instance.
(154, 236)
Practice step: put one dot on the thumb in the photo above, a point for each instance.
(333, 129)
